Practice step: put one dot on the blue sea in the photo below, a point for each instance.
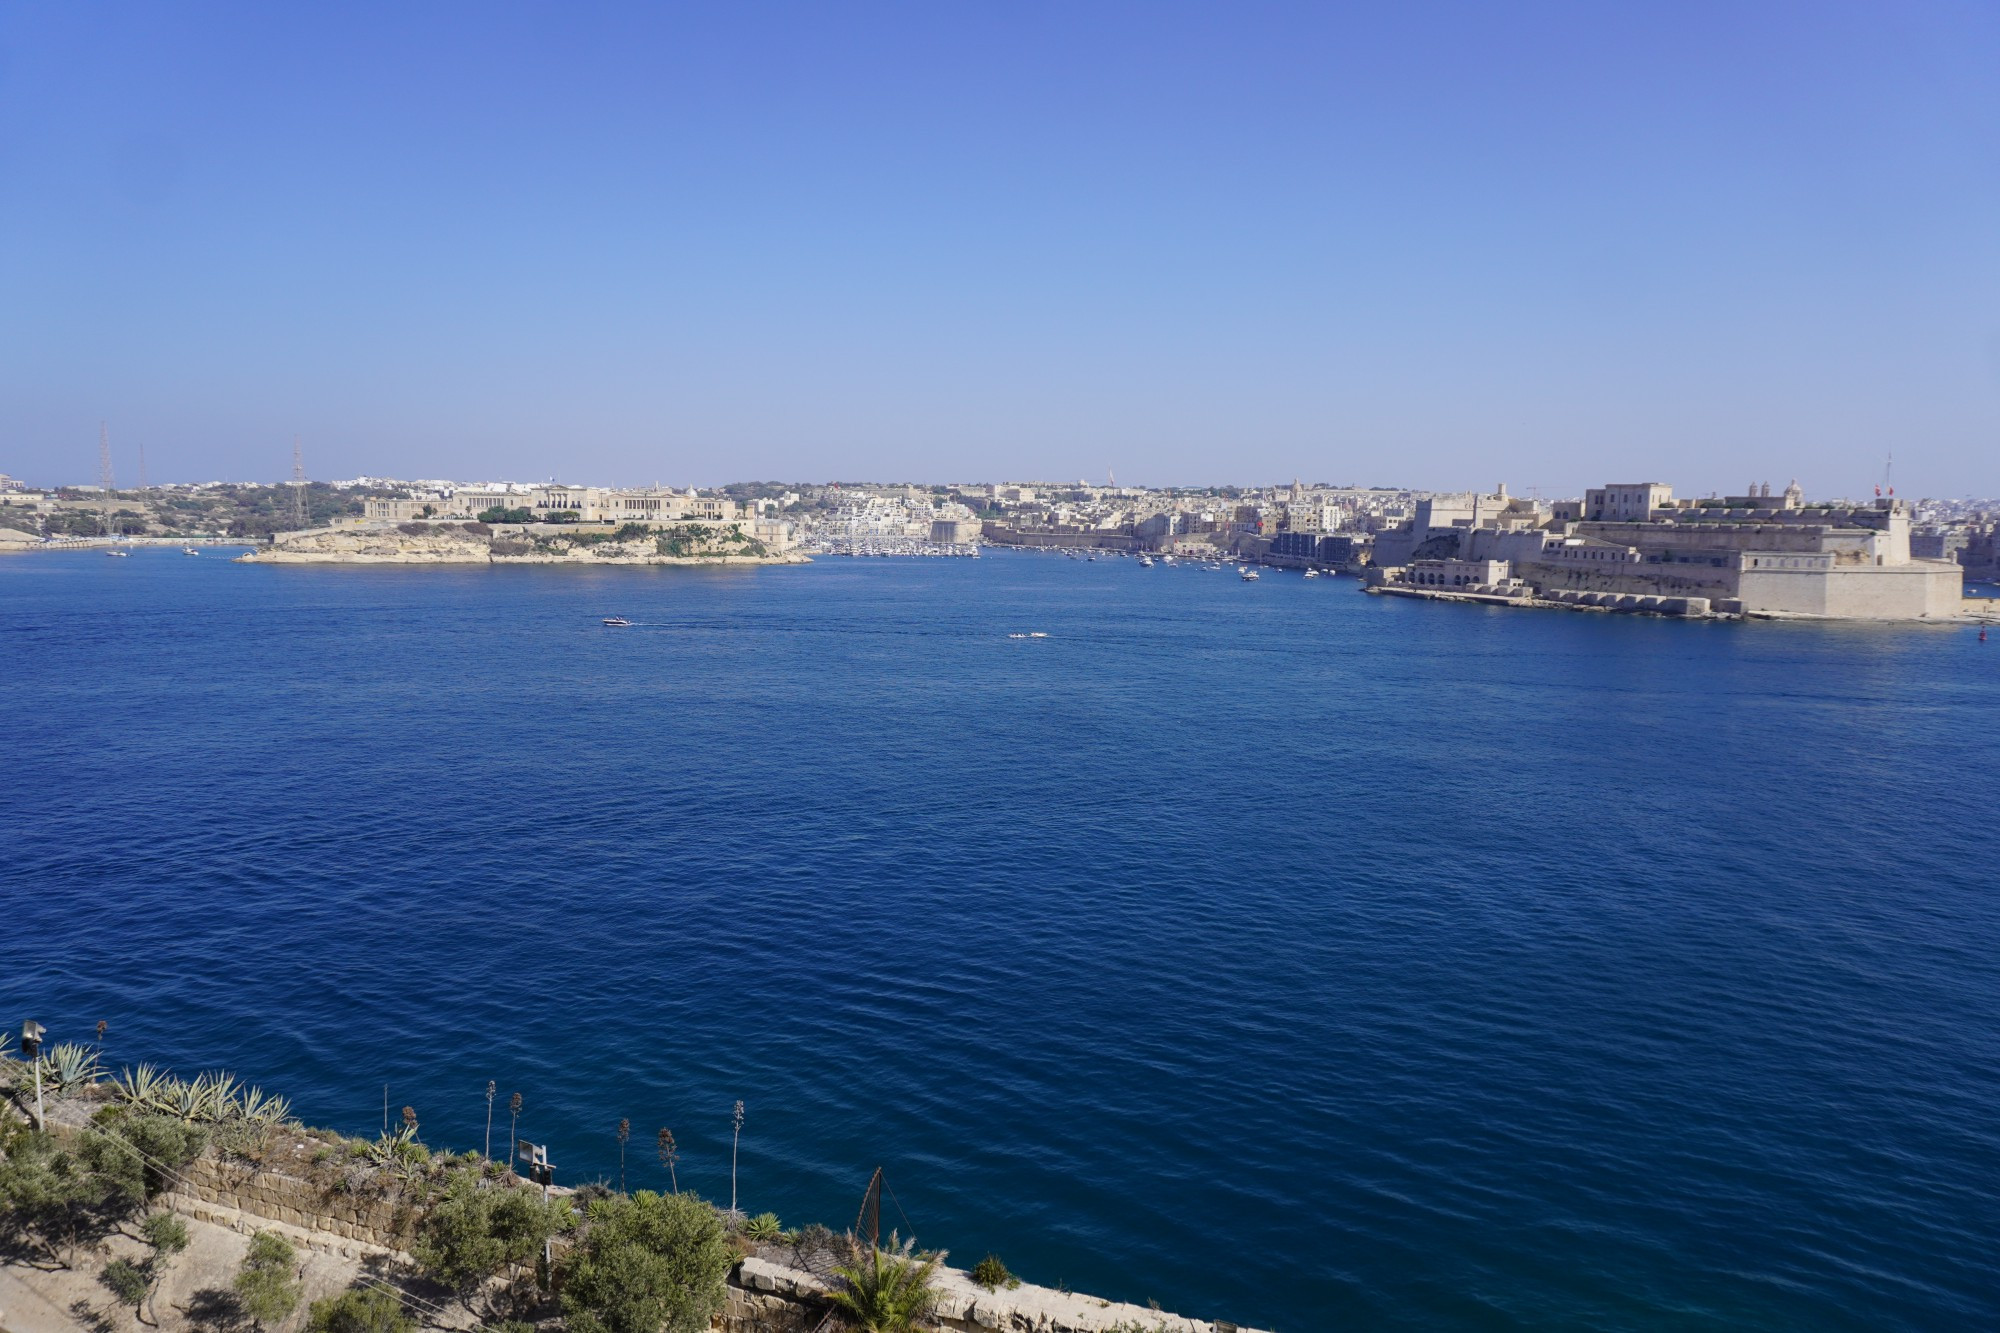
(1277, 953)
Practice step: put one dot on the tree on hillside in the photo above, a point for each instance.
(133, 1284)
(57, 1193)
(265, 1284)
(471, 1233)
(648, 1263)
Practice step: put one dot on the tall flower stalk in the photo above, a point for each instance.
(491, 1088)
(669, 1154)
(513, 1129)
(737, 1117)
(624, 1134)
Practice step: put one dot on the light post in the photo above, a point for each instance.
(33, 1034)
(543, 1172)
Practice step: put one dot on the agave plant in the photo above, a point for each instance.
(143, 1088)
(70, 1067)
(764, 1227)
(180, 1098)
(215, 1100)
(399, 1147)
(258, 1109)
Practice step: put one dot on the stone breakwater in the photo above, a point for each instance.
(459, 544)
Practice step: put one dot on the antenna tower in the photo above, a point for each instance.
(298, 483)
(104, 479)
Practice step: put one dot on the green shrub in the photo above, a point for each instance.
(648, 1263)
(375, 1310)
(992, 1274)
(126, 1282)
(471, 1233)
(499, 515)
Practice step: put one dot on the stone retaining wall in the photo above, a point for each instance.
(235, 1195)
(765, 1297)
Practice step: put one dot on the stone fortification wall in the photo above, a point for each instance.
(307, 1213)
(1639, 580)
(765, 1297)
(1920, 590)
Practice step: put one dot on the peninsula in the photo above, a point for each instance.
(205, 1201)
(477, 543)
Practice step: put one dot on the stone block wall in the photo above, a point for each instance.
(769, 1298)
(306, 1212)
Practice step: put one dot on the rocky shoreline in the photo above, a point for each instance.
(479, 544)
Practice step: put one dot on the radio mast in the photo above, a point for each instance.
(104, 480)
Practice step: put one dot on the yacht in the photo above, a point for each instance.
(618, 622)
(1312, 573)
(1146, 561)
(121, 555)
(1248, 575)
(189, 550)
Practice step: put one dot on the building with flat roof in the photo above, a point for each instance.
(1774, 555)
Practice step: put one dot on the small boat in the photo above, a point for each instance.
(1017, 636)
(121, 555)
(617, 622)
(1312, 573)
(1249, 575)
(1146, 561)
(1038, 634)
(189, 550)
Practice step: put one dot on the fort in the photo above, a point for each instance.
(1752, 555)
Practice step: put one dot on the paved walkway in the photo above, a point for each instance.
(25, 1310)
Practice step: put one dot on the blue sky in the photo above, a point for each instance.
(1425, 244)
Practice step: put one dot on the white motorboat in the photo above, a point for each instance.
(1248, 575)
(617, 622)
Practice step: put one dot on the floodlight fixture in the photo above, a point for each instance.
(33, 1034)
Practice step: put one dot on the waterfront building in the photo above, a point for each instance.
(1458, 575)
(954, 531)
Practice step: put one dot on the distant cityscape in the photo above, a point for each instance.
(1634, 547)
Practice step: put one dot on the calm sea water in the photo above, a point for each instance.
(1271, 951)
